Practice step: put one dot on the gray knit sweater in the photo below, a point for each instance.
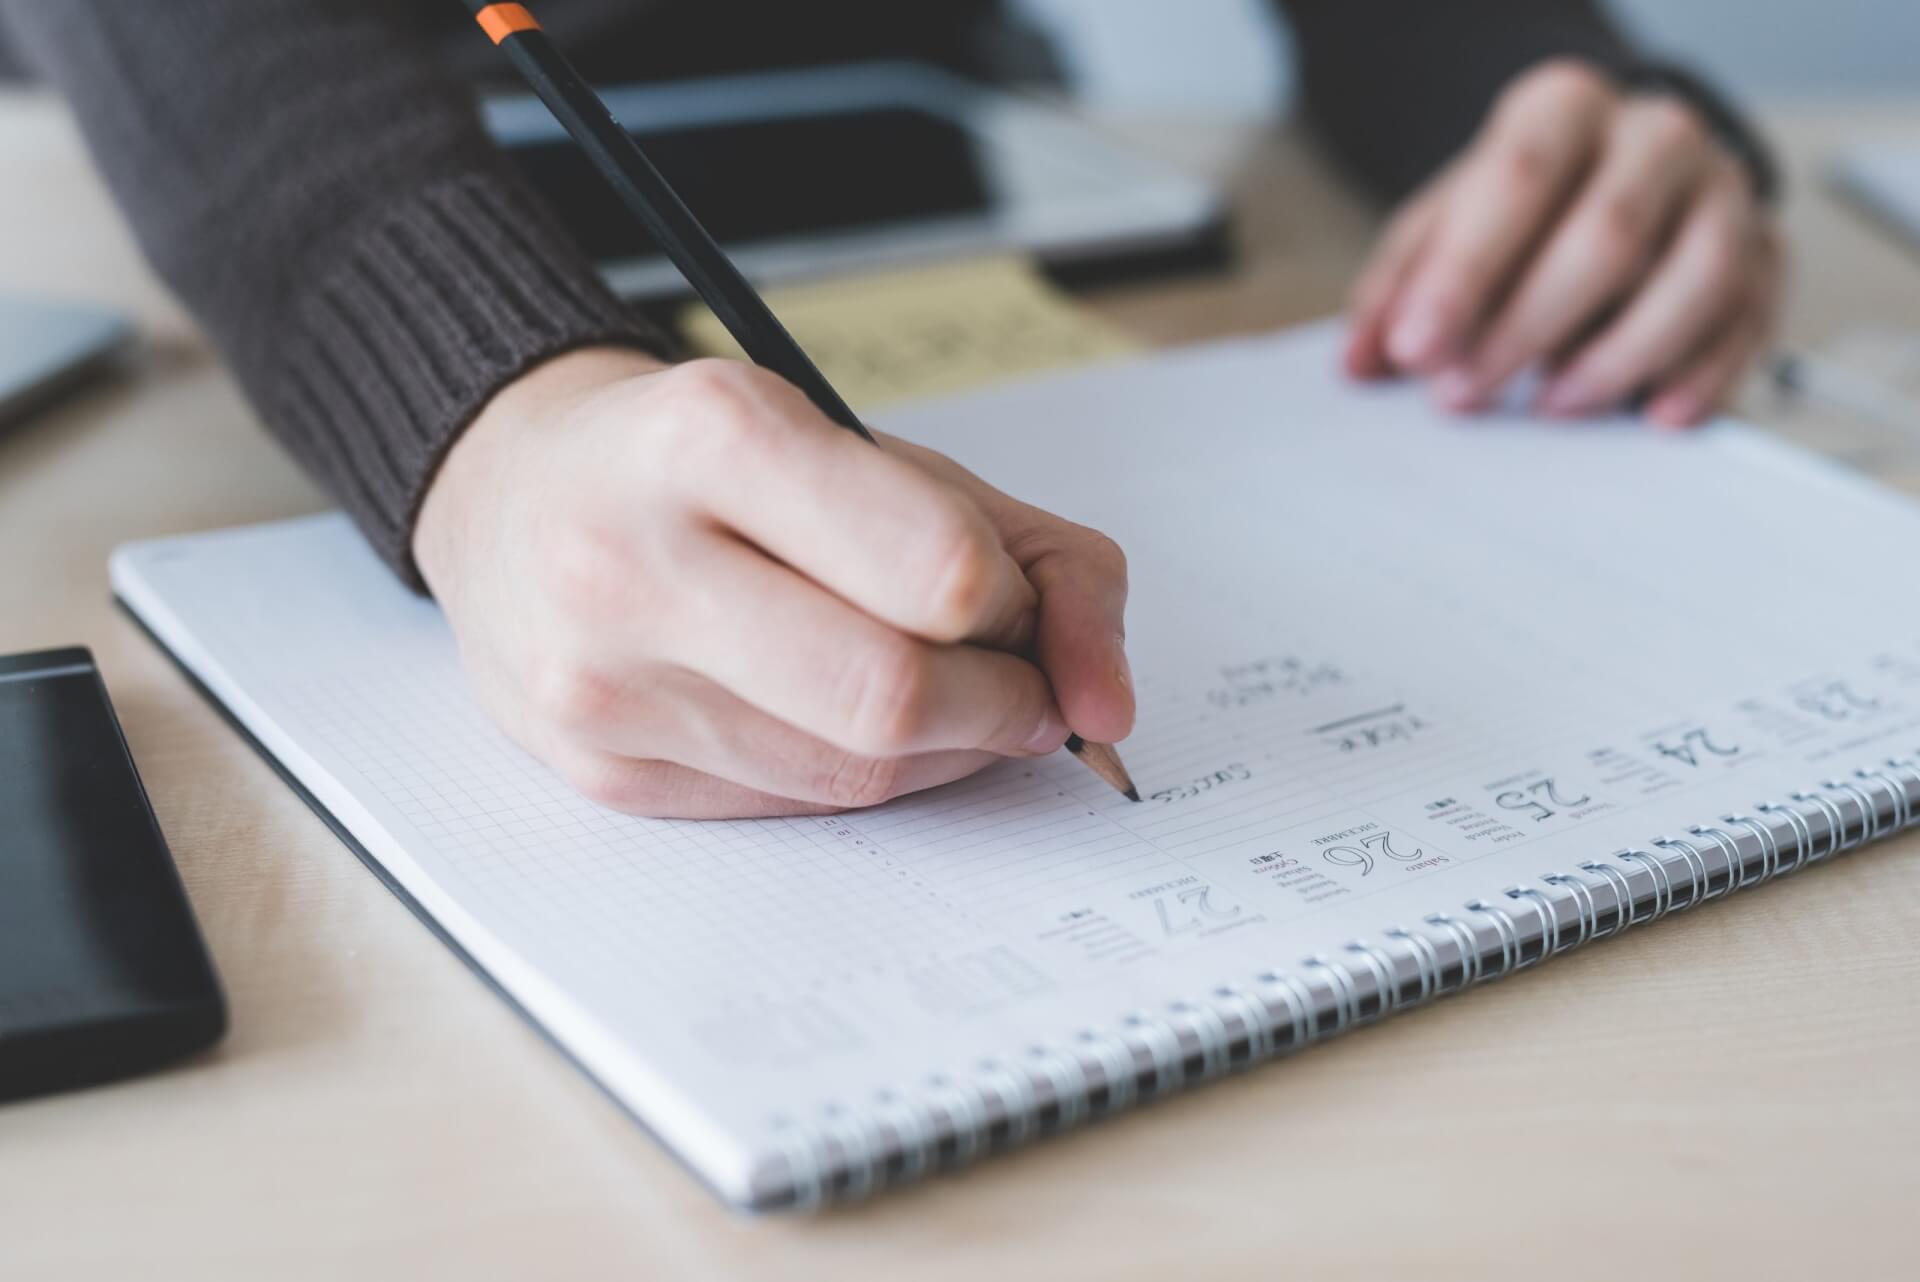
(312, 180)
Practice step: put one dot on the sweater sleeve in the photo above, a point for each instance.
(325, 201)
(1393, 88)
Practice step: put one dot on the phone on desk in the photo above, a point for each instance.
(102, 970)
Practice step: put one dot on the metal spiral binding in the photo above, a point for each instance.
(848, 1154)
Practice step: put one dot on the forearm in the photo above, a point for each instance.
(1393, 88)
(325, 201)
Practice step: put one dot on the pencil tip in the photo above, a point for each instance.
(1105, 762)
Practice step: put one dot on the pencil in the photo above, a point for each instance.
(690, 248)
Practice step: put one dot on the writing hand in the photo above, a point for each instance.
(693, 596)
(1604, 235)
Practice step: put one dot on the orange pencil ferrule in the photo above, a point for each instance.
(501, 20)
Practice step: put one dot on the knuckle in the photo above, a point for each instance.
(1672, 126)
(1061, 553)
(1524, 166)
(1105, 555)
(714, 409)
(856, 781)
(1626, 217)
(1450, 289)
(963, 561)
(887, 698)
(710, 379)
(1562, 82)
(572, 696)
(1618, 231)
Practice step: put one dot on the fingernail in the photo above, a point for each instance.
(1456, 389)
(1122, 670)
(1672, 412)
(1414, 334)
(1048, 736)
(1358, 360)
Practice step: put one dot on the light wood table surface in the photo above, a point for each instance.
(1734, 1094)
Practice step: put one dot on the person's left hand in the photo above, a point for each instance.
(1601, 235)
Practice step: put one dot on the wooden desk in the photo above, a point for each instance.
(1733, 1094)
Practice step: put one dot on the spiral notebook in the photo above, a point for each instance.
(1422, 703)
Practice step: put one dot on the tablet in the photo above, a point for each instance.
(48, 349)
(833, 169)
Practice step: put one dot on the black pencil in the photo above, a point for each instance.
(688, 245)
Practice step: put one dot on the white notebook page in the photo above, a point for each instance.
(1387, 663)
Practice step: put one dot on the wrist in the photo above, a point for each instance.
(537, 396)
(472, 479)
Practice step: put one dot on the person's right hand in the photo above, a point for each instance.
(693, 596)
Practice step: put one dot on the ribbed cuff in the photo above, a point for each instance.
(412, 324)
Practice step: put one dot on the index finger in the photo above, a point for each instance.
(1081, 577)
(1370, 306)
(882, 534)
(789, 649)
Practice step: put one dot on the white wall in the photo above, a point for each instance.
(1225, 56)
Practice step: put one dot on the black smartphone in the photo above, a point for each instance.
(103, 972)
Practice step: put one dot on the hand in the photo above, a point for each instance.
(693, 596)
(1602, 235)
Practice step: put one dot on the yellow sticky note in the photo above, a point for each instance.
(925, 331)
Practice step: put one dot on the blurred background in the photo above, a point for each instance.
(1231, 65)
